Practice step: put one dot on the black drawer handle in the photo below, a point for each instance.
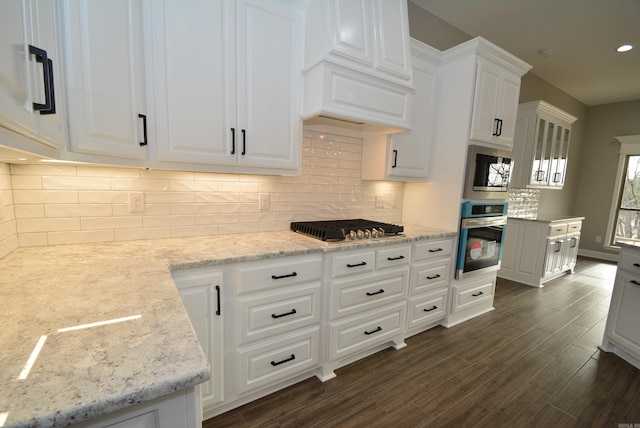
(356, 265)
(479, 293)
(233, 141)
(633, 281)
(434, 276)
(292, 312)
(636, 264)
(433, 308)
(218, 295)
(277, 363)
(373, 331)
(436, 250)
(49, 106)
(395, 159)
(284, 276)
(144, 141)
(375, 292)
(395, 258)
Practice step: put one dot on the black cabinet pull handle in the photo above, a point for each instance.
(47, 80)
(375, 292)
(244, 142)
(540, 175)
(434, 277)
(277, 363)
(292, 312)
(284, 276)
(633, 281)
(373, 331)
(218, 295)
(233, 141)
(637, 265)
(496, 123)
(52, 94)
(436, 250)
(433, 308)
(557, 176)
(395, 159)
(358, 264)
(479, 293)
(395, 258)
(144, 129)
(500, 131)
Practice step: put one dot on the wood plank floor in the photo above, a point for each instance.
(532, 362)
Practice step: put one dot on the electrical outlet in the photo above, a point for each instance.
(265, 201)
(136, 202)
(598, 239)
(379, 201)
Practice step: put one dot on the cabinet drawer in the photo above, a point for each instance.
(426, 309)
(557, 229)
(284, 272)
(349, 264)
(429, 276)
(630, 262)
(575, 226)
(471, 294)
(393, 257)
(357, 295)
(267, 315)
(359, 333)
(264, 365)
(432, 249)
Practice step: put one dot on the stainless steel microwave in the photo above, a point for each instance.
(488, 173)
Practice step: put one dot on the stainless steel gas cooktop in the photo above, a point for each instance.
(338, 230)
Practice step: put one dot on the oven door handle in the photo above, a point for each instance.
(471, 223)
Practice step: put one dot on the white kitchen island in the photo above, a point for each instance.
(622, 332)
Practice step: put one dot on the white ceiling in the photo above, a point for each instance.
(582, 34)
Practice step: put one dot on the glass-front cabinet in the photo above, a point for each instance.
(541, 148)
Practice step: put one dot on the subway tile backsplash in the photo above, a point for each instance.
(62, 204)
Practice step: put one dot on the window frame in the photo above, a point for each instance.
(629, 146)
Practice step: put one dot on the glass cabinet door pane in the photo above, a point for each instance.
(538, 174)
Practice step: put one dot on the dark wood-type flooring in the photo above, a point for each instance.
(533, 362)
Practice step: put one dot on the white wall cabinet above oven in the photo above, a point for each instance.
(406, 156)
(31, 94)
(357, 63)
(228, 83)
(542, 146)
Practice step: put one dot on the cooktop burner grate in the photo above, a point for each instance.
(337, 230)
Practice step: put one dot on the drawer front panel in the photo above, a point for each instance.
(472, 294)
(557, 229)
(268, 315)
(277, 361)
(350, 297)
(429, 276)
(285, 272)
(350, 264)
(362, 333)
(432, 249)
(574, 227)
(393, 257)
(426, 309)
(630, 263)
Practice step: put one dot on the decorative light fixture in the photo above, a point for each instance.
(624, 48)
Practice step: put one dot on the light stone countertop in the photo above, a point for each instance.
(550, 219)
(82, 374)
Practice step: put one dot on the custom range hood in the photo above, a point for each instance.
(358, 66)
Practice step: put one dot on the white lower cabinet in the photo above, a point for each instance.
(622, 335)
(171, 411)
(471, 297)
(537, 251)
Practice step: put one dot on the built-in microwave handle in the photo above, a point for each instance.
(470, 223)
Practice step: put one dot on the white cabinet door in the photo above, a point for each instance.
(554, 256)
(622, 322)
(25, 23)
(195, 86)
(201, 296)
(105, 77)
(351, 30)
(270, 48)
(495, 104)
(391, 25)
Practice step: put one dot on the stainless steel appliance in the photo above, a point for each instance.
(488, 173)
(482, 227)
(338, 230)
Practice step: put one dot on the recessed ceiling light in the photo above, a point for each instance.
(625, 48)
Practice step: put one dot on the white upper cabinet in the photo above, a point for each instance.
(105, 77)
(30, 74)
(541, 146)
(357, 63)
(406, 156)
(495, 104)
(228, 84)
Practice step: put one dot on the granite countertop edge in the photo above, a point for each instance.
(138, 274)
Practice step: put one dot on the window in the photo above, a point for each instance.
(624, 218)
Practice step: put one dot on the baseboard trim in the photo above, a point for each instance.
(599, 255)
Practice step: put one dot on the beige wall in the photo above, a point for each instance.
(432, 30)
(598, 166)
